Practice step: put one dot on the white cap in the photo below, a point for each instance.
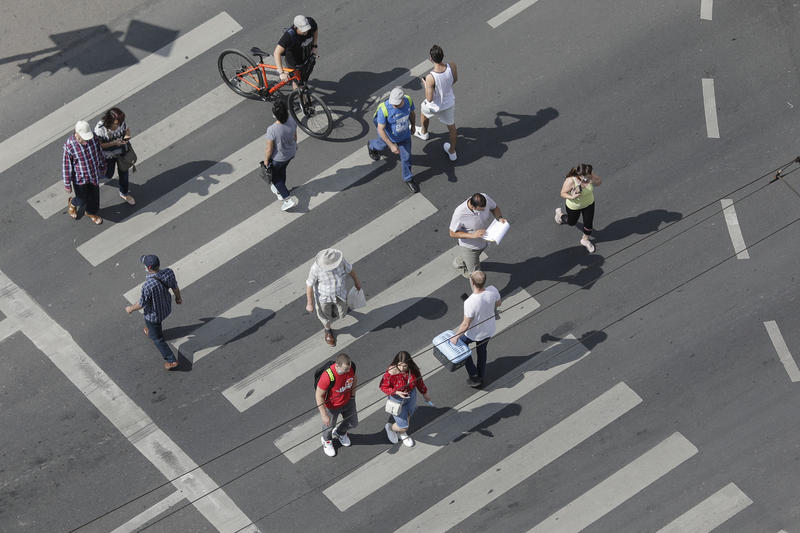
(396, 96)
(301, 23)
(83, 129)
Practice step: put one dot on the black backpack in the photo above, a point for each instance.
(331, 375)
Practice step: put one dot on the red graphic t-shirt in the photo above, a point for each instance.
(342, 389)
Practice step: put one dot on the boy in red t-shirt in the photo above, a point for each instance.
(340, 399)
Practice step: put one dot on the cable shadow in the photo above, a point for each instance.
(641, 224)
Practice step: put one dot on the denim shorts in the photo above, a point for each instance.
(406, 410)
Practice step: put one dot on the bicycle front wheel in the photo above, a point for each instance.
(311, 113)
(239, 72)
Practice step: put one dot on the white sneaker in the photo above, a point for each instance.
(327, 447)
(391, 433)
(275, 191)
(559, 213)
(344, 440)
(289, 203)
(128, 198)
(418, 133)
(407, 441)
(588, 245)
(452, 156)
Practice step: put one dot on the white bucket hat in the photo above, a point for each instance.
(329, 259)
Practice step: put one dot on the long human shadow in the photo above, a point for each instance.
(246, 325)
(401, 312)
(589, 339)
(553, 267)
(93, 49)
(198, 174)
(641, 224)
(476, 143)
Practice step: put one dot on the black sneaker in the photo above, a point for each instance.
(413, 185)
(373, 154)
(474, 382)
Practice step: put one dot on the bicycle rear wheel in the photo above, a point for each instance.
(310, 112)
(239, 72)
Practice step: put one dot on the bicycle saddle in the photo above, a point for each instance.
(258, 51)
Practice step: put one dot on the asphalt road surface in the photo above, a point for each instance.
(649, 386)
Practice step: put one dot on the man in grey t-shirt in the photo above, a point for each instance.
(281, 148)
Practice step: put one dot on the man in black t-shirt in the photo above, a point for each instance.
(296, 44)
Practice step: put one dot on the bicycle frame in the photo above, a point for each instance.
(247, 75)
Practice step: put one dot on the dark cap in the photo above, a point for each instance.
(150, 261)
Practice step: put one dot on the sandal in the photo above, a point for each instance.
(71, 209)
(96, 219)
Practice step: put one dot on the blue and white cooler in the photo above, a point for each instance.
(452, 356)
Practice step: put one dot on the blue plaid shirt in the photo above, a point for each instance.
(156, 300)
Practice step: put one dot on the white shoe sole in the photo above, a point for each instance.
(452, 157)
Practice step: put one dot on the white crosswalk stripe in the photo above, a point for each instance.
(153, 140)
(711, 512)
(619, 487)
(297, 444)
(305, 356)
(117, 88)
(386, 467)
(291, 286)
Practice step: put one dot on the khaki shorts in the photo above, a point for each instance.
(446, 116)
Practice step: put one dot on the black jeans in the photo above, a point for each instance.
(480, 348)
(89, 195)
(571, 217)
(111, 164)
(279, 177)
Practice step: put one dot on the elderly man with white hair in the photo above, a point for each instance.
(326, 289)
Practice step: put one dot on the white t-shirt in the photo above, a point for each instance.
(467, 220)
(443, 88)
(480, 308)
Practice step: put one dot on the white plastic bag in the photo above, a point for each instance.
(356, 298)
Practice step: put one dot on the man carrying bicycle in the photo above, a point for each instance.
(297, 44)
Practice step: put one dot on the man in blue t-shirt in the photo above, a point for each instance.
(396, 120)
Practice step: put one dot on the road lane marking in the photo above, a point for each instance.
(382, 469)
(710, 105)
(619, 486)
(711, 512)
(283, 291)
(58, 345)
(7, 328)
(705, 9)
(297, 443)
(734, 230)
(311, 352)
(506, 14)
(153, 140)
(117, 88)
(162, 506)
(783, 351)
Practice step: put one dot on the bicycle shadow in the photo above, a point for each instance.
(476, 143)
(196, 177)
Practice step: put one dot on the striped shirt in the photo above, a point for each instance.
(107, 135)
(82, 163)
(329, 284)
(156, 300)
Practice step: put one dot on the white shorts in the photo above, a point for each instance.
(446, 116)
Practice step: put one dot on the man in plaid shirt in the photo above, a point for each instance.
(327, 286)
(83, 163)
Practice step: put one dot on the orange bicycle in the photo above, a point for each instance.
(259, 81)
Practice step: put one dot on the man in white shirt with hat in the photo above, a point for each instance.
(326, 289)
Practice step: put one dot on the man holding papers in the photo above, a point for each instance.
(468, 225)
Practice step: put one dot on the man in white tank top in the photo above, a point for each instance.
(440, 102)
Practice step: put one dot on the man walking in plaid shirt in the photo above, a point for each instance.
(157, 305)
(83, 163)
(327, 287)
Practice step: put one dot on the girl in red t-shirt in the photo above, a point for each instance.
(402, 380)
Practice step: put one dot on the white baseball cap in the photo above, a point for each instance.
(301, 23)
(396, 96)
(83, 129)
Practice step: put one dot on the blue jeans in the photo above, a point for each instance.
(279, 177)
(407, 409)
(405, 154)
(480, 347)
(157, 336)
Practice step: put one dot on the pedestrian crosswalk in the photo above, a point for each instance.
(385, 302)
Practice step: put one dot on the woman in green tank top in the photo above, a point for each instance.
(578, 192)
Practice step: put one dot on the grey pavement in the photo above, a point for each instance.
(663, 305)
